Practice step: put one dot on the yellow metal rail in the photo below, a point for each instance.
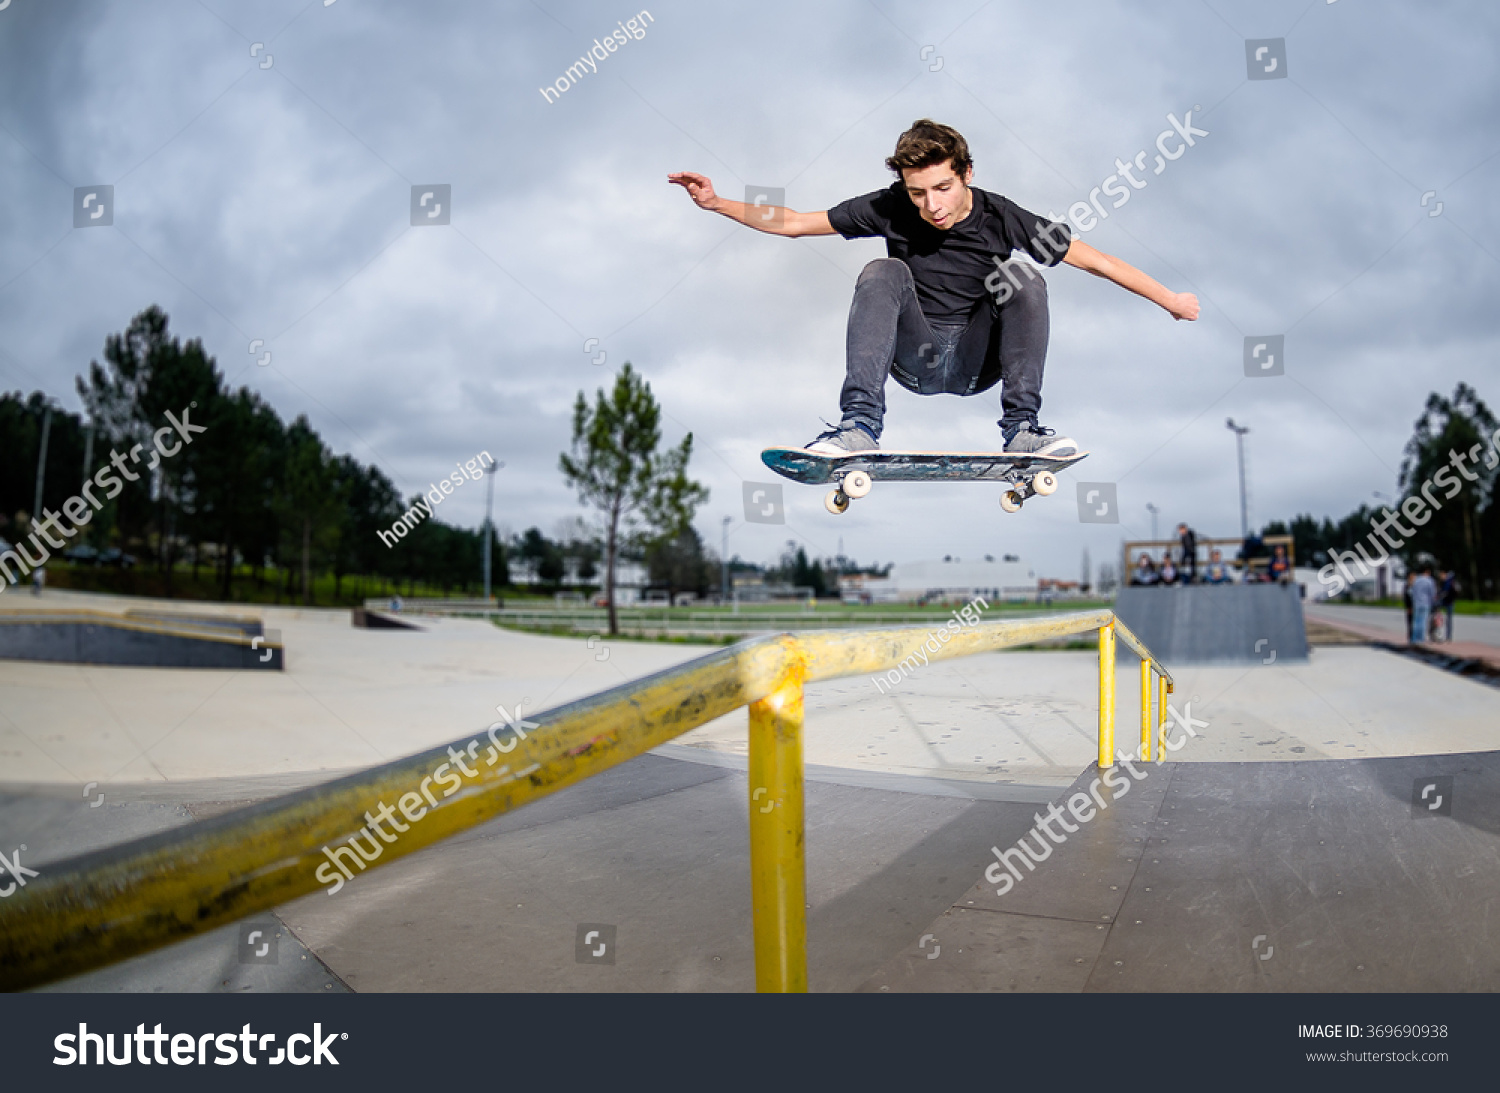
(135, 897)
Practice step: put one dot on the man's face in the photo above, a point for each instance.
(941, 196)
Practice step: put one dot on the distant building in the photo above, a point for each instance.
(1383, 580)
(753, 588)
(1006, 579)
(630, 577)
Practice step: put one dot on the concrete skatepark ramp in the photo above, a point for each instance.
(1302, 868)
(138, 639)
(1217, 624)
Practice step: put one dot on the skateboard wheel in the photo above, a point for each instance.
(857, 483)
(837, 502)
(1045, 483)
(1010, 501)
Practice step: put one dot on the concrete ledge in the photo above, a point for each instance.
(136, 642)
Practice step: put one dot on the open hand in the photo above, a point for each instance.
(698, 187)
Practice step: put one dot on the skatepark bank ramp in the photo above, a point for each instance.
(1217, 624)
(138, 640)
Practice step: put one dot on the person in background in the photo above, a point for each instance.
(1168, 570)
(1447, 598)
(1215, 573)
(1281, 569)
(38, 580)
(1411, 575)
(1145, 570)
(1251, 549)
(1187, 540)
(1423, 596)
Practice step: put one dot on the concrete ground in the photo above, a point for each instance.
(909, 788)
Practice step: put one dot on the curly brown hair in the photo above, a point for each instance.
(926, 144)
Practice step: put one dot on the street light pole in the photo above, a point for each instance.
(1239, 441)
(489, 526)
(724, 564)
(41, 464)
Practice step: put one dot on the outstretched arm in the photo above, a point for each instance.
(772, 219)
(1181, 305)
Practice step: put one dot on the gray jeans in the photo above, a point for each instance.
(890, 336)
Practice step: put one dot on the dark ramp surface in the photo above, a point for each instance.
(657, 851)
(1308, 876)
(1217, 624)
(138, 640)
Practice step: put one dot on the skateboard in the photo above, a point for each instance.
(854, 475)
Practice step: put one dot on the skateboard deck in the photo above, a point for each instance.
(1025, 474)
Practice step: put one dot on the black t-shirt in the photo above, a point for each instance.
(950, 267)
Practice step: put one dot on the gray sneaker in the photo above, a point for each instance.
(1040, 440)
(845, 439)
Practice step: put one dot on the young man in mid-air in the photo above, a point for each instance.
(948, 312)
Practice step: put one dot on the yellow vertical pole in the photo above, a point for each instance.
(778, 869)
(1145, 709)
(1107, 695)
(1161, 719)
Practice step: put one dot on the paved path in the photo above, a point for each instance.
(1476, 638)
(1480, 629)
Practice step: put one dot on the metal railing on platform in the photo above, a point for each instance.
(115, 903)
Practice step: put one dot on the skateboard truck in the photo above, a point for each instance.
(853, 484)
(1040, 484)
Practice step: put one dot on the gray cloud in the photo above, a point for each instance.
(273, 204)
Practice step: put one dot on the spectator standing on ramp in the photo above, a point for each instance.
(1187, 539)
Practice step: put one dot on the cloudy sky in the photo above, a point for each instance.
(263, 158)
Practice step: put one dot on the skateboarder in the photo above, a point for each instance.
(948, 312)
